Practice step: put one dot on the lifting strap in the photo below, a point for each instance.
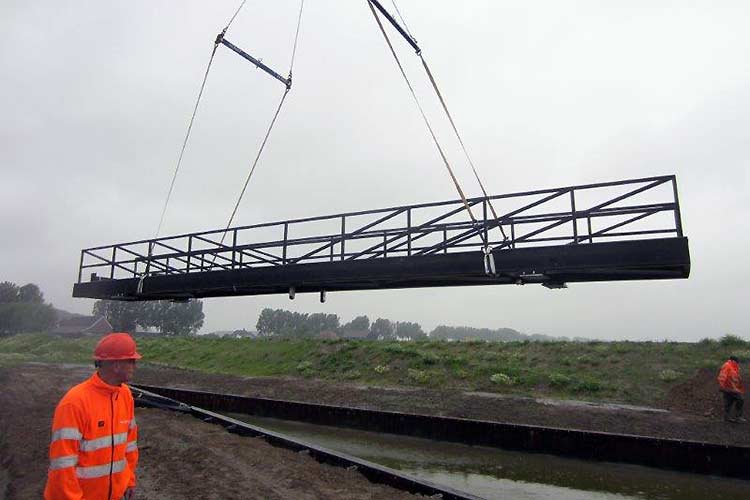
(416, 100)
(403, 21)
(460, 140)
(406, 34)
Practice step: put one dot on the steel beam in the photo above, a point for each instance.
(664, 258)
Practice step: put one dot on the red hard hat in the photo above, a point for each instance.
(116, 346)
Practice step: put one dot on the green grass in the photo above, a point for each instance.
(43, 347)
(632, 372)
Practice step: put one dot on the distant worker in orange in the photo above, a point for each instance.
(93, 450)
(730, 384)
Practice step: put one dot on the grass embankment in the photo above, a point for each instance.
(633, 372)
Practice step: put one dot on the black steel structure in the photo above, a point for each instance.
(675, 454)
(622, 230)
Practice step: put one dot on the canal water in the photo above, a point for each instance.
(500, 474)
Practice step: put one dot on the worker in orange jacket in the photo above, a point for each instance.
(730, 384)
(93, 450)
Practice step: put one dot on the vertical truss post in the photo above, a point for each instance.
(408, 232)
(591, 236)
(149, 256)
(189, 252)
(677, 216)
(112, 264)
(234, 248)
(343, 237)
(385, 244)
(484, 217)
(445, 240)
(574, 218)
(332, 244)
(283, 251)
(512, 234)
(80, 268)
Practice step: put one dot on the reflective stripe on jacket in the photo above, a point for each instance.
(93, 449)
(729, 377)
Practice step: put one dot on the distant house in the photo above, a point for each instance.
(231, 334)
(346, 334)
(244, 334)
(354, 334)
(147, 334)
(83, 325)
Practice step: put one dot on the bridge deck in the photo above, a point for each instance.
(623, 230)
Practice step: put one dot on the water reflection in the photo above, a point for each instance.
(493, 473)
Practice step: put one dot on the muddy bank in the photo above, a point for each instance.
(697, 396)
(693, 415)
(181, 457)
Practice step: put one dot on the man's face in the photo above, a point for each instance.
(124, 369)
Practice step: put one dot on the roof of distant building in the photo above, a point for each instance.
(84, 324)
(355, 334)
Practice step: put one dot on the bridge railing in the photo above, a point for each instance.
(572, 215)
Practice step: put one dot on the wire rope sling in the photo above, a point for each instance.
(375, 7)
(221, 40)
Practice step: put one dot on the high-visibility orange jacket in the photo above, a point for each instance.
(729, 377)
(93, 451)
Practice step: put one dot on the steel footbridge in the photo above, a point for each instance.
(610, 231)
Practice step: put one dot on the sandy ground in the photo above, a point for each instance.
(181, 457)
(695, 406)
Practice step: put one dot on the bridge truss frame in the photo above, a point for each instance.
(539, 224)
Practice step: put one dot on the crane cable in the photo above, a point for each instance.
(424, 117)
(450, 119)
(460, 140)
(255, 164)
(403, 21)
(235, 15)
(270, 127)
(190, 124)
(184, 143)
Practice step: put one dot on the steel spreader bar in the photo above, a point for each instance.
(286, 81)
(398, 27)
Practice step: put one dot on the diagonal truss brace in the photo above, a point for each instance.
(257, 62)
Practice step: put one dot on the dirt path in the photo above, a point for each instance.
(181, 457)
(694, 405)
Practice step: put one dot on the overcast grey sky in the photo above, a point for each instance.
(96, 95)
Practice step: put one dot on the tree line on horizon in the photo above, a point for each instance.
(290, 324)
(23, 309)
(167, 317)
